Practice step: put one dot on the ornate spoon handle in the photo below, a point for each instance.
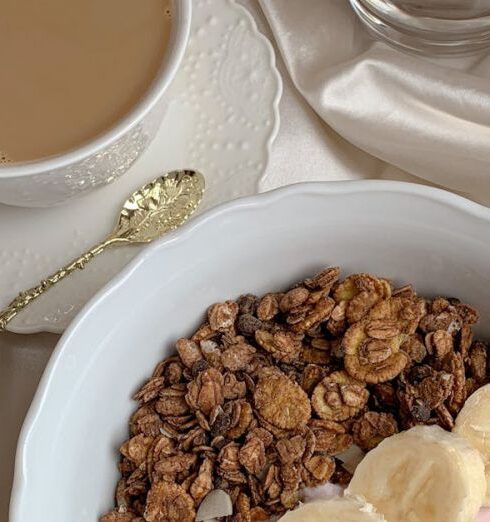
(25, 297)
(151, 211)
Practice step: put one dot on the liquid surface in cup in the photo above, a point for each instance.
(70, 69)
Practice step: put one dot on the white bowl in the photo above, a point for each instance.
(66, 465)
(59, 178)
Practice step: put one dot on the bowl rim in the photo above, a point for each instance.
(321, 188)
(179, 35)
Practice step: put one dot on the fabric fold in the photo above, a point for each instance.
(429, 117)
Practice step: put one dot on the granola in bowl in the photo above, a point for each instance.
(266, 397)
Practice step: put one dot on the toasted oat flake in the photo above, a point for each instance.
(321, 467)
(168, 502)
(119, 516)
(372, 360)
(339, 397)
(281, 401)
(372, 428)
(222, 316)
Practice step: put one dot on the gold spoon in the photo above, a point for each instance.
(156, 208)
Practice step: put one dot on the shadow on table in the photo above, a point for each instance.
(22, 361)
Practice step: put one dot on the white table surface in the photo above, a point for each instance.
(24, 357)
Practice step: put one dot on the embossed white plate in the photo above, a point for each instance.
(222, 120)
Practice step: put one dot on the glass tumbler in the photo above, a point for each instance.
(428, 26)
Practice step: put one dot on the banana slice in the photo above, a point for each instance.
(473, 423)
(340, 509)
(424, 474)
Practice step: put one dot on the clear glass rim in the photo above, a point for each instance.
(422, 41)
(395, 16)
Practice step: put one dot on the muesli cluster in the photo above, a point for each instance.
(265, 396)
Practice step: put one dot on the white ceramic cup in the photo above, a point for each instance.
(59, 178)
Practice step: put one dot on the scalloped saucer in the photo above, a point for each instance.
(222, 120)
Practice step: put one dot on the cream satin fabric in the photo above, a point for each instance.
(428, 118)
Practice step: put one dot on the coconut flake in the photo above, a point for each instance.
(351, 458)
(323, 492)
(217, 503)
